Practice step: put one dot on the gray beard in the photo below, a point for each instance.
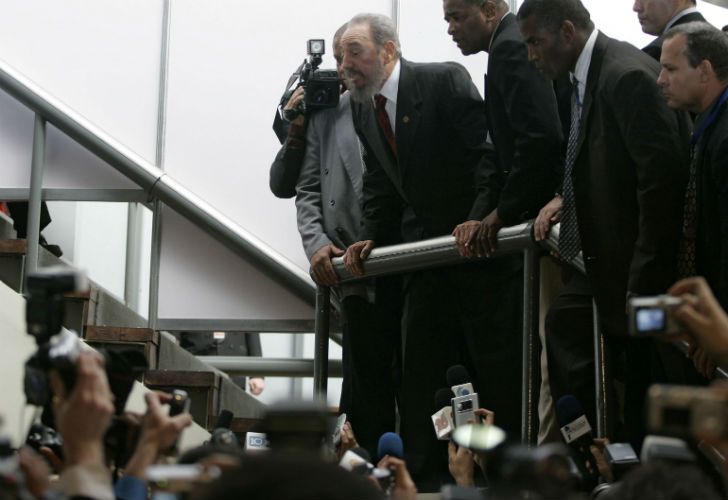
(366, 92)
(362, 94)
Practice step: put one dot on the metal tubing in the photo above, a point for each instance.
(684, 347)
(600, 376)
(321, 353)
(133, 255)
(269, 367)
(530, 361)
(36, 194)
(435, 252)
(157, 184)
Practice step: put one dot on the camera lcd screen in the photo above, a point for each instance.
(650, 319)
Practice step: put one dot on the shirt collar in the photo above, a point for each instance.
(581, 71)
(677, 16)
(391, 86)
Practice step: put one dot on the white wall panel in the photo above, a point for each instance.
(229, 63)
(424, 38)
(203, 279)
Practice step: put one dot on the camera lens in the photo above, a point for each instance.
(321, 96)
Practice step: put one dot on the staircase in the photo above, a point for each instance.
(103, 321)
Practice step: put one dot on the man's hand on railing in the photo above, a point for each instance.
(488, 233)
(322, 271)
(466, 238)
(356, 254)
(547, 217)
(704, 318)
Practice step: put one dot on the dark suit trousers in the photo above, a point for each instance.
(19, 213)
(569, 328)
(471, 315)
(371, 354)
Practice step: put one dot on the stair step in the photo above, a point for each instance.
(144, 340)
(203, 388)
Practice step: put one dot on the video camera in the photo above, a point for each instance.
(322, 86)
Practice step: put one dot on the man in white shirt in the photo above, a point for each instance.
(658, 16)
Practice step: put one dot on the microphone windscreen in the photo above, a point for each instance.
(224, 420)
(443, 397)
(457, 375)
(568, 409)
(362, 453)
(390, 444)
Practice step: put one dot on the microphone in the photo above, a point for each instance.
(577, 433)
(222, 435)
(442, 418)
(459, 380)
(390, 444)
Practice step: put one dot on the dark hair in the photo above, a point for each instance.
(668, 482)
(338, 34)
(551, 14)
(703, 42)
(270, 475)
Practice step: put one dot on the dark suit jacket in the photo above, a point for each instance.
(712, 205)
(654, 49)
(441, 140)
(629, 179)
(523, 122)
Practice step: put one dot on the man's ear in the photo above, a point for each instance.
(489, 9)
(390, 51)
(705, 70)
(567, 32)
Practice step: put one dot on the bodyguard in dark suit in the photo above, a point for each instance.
(658, 16)
(523, 120)
(624, 179)
(694, 78)
(425, 138)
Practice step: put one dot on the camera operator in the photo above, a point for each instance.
(286, 167)
(82, 418)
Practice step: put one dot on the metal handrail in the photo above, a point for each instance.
(158, 184)
(439, 252)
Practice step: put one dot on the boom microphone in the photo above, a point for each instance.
(459, 380)
(390, 444)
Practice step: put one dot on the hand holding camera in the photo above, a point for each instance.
(83, 415)
(159, 432)
(705, 320)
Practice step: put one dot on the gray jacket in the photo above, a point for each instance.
(329, 188)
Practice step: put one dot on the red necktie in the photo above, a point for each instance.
(4, 208)
(384, 123)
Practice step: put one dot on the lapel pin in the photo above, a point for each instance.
(405, 119)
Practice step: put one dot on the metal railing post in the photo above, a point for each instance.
(600, 376)
(36, 195)
(530, 361)
(321, 341)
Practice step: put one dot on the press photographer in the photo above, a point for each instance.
(309, 89)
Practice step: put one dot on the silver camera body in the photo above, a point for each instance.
(687, 411)
(653, 315)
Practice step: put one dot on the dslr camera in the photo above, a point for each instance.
(653, 315)
(322, 86)
(58, 348)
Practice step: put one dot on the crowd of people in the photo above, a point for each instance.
(623, 148)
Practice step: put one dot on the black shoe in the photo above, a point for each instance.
(54, 249)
